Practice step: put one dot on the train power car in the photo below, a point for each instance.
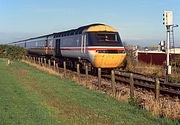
(97, 44)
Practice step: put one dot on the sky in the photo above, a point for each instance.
(139, 22)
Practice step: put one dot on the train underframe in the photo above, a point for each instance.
(71, 63)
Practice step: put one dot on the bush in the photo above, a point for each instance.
(12, 52)
(2, 50)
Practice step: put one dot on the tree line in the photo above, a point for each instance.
(12, 52)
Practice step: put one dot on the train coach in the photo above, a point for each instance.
(98, 44)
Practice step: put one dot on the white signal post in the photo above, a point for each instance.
(168, 22)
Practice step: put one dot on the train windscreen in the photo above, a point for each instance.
(104, 39)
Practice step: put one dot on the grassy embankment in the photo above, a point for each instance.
(29, 96)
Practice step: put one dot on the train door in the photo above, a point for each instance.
(57, 47)
(83, 43)
(50, 45)
(46, 46)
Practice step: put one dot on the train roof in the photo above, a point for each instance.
(69, 32)
(32, 38)
(76, 31)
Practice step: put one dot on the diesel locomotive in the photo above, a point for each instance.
(97, 44)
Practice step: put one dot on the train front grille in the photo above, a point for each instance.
(110, 51)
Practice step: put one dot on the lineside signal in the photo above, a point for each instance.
(168, 18)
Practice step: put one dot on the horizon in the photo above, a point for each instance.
(138, 22)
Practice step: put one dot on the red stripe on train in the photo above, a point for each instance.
(78, 48)
(105, 48)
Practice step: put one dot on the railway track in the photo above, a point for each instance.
(170, 89)
(140, 81)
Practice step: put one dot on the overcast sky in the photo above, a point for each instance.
(139, 22)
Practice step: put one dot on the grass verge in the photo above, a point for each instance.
(29, 96)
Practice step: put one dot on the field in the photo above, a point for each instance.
(152, 70)
(31, 97)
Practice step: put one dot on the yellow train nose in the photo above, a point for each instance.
(108, 60)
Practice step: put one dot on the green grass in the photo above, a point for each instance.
(31, 97)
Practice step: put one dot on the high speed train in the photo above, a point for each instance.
(98, 44)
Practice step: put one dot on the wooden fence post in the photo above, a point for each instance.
(57, 68)
(99, 78)
(78, 72)
(113, 82)
(54, 64)
(86, 67)
(31, 59)
(49, 63)
(39, 61)
(64, 63)
(157, 89)
(8, 62)
(34, 60)
(131, 86)
(45, 62)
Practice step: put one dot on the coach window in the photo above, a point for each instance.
(46, 43)
(36, 44)
(53, 45)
